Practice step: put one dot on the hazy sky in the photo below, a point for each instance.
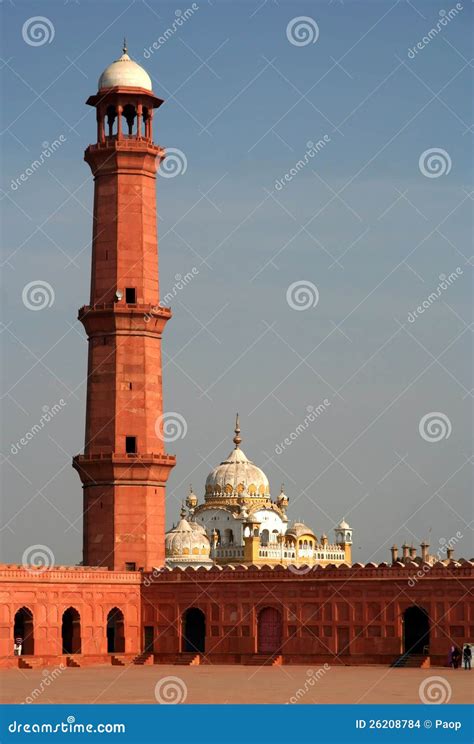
(368, 225)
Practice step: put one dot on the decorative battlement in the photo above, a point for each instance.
(66, 574)
(441, 569)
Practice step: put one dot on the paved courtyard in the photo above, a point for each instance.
(235, 684)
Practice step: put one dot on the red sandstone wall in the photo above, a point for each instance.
(322, 611)
(354, 613)
(47, 595)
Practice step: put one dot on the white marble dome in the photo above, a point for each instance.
(187, 543)
(125, 73)
(237, 476)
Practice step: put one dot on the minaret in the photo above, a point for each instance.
(124, 467)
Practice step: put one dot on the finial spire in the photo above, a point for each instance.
(182, 513)
(237, 439)
(124, 49)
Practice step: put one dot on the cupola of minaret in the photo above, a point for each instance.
(124, 467)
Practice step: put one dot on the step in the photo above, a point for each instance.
(262, 660)
(412, 661)
(141, 659)
(187, 659)
(72, 662)
(30, 662)
(117, 661)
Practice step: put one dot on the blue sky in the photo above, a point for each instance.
(361, 222)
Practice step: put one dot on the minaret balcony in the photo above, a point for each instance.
(119, 317)
(154, 468)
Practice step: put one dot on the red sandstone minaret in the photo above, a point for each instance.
(124, 467)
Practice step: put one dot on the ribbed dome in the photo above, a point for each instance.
(187, 542)
(237, 476)
(124, 72)
(299, 528)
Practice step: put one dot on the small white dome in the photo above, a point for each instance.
(299, 528)
(343, 525)
(187, 543)
(125, 73)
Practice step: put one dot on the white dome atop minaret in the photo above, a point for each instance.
(125, 73)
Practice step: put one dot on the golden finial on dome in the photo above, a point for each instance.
(124, 48)
(237, 439)
(182, 513)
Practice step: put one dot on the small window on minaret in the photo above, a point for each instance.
(131, 445)
(130, 295)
